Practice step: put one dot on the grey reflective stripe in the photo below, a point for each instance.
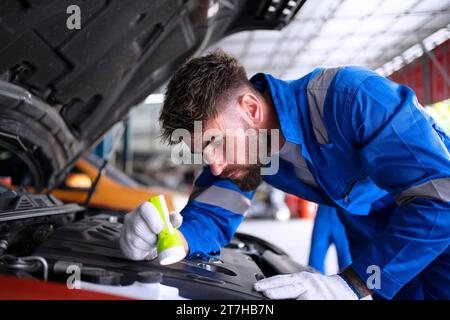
(438, 189)
(316, 92)
(196, 192)
(292, 153)
(225, 198)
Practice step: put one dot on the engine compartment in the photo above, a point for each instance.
(94, 242)
(45, 238)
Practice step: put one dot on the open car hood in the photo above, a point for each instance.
(61, 89)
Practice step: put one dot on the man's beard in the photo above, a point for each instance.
(249, 180)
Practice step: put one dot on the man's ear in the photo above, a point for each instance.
(251, 107)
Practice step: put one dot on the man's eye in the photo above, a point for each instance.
(215, 141)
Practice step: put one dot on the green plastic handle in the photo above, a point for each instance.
(168, 237)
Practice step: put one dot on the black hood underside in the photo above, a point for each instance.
(61, 89)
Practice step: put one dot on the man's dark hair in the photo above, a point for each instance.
(199, 90)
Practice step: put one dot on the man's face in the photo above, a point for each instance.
(232, 145)
(232, 153)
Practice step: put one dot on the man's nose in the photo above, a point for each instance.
(217, 167)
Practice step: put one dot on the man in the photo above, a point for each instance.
(350, 139)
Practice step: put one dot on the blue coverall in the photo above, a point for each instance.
(377, 157)
(328, 229)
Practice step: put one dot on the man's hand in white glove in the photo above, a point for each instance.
(140, 229)
(306, 286)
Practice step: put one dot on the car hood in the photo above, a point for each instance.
(62, 89)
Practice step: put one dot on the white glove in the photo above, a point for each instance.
(139, 232)
(305, 286)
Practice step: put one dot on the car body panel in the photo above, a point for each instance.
(13, 288)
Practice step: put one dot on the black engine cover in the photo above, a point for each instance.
(95, 243)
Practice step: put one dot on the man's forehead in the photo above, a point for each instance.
(216, 128)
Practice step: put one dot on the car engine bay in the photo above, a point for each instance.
(61, 90)
(40, 237)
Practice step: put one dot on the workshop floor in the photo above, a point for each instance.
(293, 236)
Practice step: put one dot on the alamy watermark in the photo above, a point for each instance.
(74, 279)
(374, 280)
(232, 147)
(73, 21)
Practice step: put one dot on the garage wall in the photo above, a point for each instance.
(425, 77)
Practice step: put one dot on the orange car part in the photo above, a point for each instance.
(109, 193)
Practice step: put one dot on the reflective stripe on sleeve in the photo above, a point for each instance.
(225, 198)
(438, 189)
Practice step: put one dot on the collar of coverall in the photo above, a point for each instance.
(285, 104)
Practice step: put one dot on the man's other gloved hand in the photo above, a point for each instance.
(140, 229)
(306, 286)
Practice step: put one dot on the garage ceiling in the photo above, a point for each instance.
(371, 33)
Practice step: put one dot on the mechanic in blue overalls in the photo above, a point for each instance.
(350, 139)
(328, 230)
